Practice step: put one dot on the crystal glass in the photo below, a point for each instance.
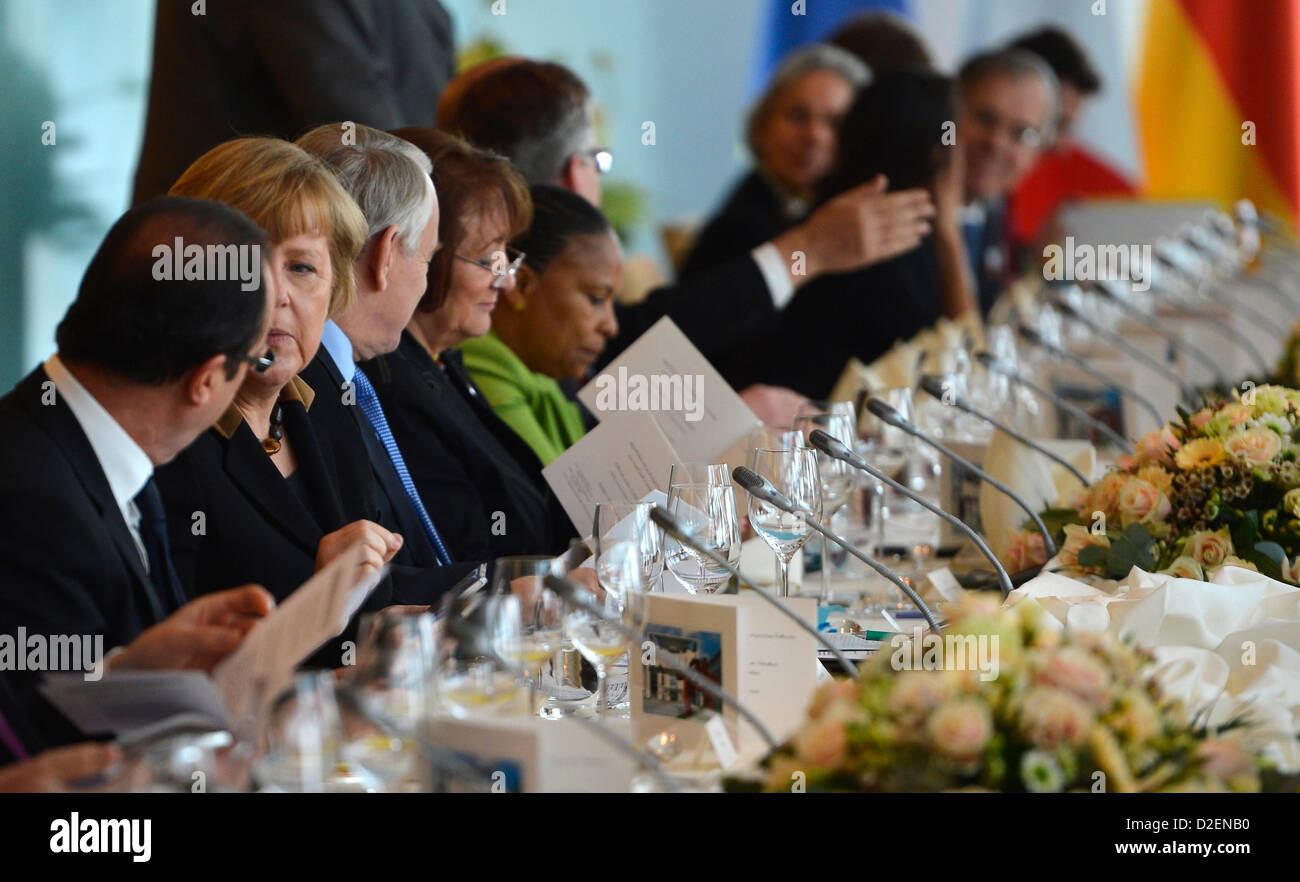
(541, 623)
(793, 472)
(630, 521)
(472, 679)
(838, 477)
(708, 512)
(601, 642)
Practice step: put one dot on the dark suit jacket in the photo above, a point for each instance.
(859, 314)
(281, 67)
(370, 488)
(467, 463)
(68, 564)
(751, 215)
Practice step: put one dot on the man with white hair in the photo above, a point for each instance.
(389, 179)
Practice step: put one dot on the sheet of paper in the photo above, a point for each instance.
(664, 374)
(317, 610)
(623, 458)
(123, 701)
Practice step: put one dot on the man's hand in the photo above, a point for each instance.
(200, 633)
(56, 771)
(378, 545)
(776, 406)
(857, 228)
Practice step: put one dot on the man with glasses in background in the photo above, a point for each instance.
(1010, 102)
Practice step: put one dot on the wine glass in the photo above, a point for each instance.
(793, 472)
(768, 436)
(487, 630)
(630, 521)
(838, 477)
(541, 623)
(599, 641)
(708, 512)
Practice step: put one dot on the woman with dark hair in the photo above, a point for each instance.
(553, 323)
(901, 126)
(491, 498)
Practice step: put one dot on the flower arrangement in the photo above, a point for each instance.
(1063, 712)
(1219, 488)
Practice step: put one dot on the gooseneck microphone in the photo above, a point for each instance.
(989, 361)
(837, 449)
(573, 593)
(1037, 339)
(1151, 324)
(1134, 352)
(887, 413)
(760, 488)
(472, 634)
(673, 527)
(935, 387)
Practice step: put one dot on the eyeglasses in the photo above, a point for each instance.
(602, 157)
(492, 265)
(261, 363)
(1026, 136)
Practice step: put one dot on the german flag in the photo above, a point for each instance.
(1219, 101)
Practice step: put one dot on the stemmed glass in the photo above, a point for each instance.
(630, 521)
(792, 471)
(704, 503)
(838, 478)
(472, 679)
(541, 621)
(600, 642)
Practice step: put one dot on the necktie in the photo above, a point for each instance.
(153, 534)
(374, 412)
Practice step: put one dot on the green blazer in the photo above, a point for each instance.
(530, 403)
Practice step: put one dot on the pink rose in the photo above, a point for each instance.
(1077, 538)
(823, 743)
(830, 693)
(1079, 673)
(1105, 495)
(1157, 446)
(1051, 718)
(1258, 446)
(1025, 551)
(1209, 548)
(960, 728)
(1141, 502)
(1199, 419)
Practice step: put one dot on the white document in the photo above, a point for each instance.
(126, 703)
(664, 374)
(317, 610)
(623, 458)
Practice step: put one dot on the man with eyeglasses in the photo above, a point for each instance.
(144, 365)
(1009, 108)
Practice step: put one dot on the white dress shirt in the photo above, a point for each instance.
(127, 467)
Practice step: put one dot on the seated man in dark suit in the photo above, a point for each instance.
(147, 359)
(389, 179)
(538, 115)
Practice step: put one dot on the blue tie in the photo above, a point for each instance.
(375, 415)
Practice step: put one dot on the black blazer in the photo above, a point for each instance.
(68, 564)
(467, 463)
(280, 67)
(847, 315)
(369, 487)
(751, 215)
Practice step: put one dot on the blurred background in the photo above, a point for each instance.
(76, 76)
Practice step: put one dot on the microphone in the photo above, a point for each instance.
(471, 634)
(935, 387)
(1118, 341)
(673, 527)
(989, 361)
(573, 593)
(1037, 339)
(882, 410)
(837, 449)
(760, 488)
(1154, 326)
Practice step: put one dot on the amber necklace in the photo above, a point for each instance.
(271, 443)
